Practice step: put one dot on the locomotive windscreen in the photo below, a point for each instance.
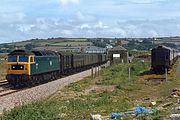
(12, 58)
(23, 59)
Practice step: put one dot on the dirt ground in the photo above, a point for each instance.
(156, 90)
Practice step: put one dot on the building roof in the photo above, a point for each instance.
(164, 47)
(118, 48)
(95, 50)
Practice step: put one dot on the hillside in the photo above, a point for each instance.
(45, 43)
(52, 43)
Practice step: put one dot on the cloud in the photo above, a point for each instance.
(84, 26)
(24, 28)
(67, 2)
(12, 17)
(101, 25)
(95, 25)
(117, 32)
(67, 33)
(143, 1)
(85, 18)
(150, 28)
(81, 24)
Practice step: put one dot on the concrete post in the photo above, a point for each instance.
(166, 72)
(92, 72)
(95, 74)
(129, 73)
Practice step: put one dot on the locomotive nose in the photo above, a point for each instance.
(17, 68)
(19, 64)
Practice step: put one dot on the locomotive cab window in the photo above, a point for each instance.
(12, 58)
(23, 59)
(31, 59)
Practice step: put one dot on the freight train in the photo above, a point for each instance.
(27, 68)
(162, 58)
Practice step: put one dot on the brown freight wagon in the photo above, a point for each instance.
(162, 58)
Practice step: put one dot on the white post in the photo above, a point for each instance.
(92, 73)
(129, 73)
(98, 70)
(95, 74)
(166, 74)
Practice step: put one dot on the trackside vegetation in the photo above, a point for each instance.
(2, 66)
(111, 91)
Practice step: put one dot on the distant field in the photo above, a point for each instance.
(2, 55)
(140, 53)
(43, 42)
(22, 43)
(72, 43)
(77, 39)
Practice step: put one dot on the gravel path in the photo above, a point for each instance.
(39, 92)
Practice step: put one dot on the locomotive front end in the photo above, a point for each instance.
(18, 67)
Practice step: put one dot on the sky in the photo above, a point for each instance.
(28, 19)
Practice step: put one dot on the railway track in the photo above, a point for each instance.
(3, 83)
(7, 92)
(5, 89)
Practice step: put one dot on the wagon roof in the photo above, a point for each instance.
(64, 53)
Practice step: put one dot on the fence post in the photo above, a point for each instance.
(99, 70)
(129, 73)
(166, 73)
(95, 74)
(92, 73)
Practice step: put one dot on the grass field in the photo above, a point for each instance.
(107, 93)
(3, 55)
(77, 39)
(43, 42)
